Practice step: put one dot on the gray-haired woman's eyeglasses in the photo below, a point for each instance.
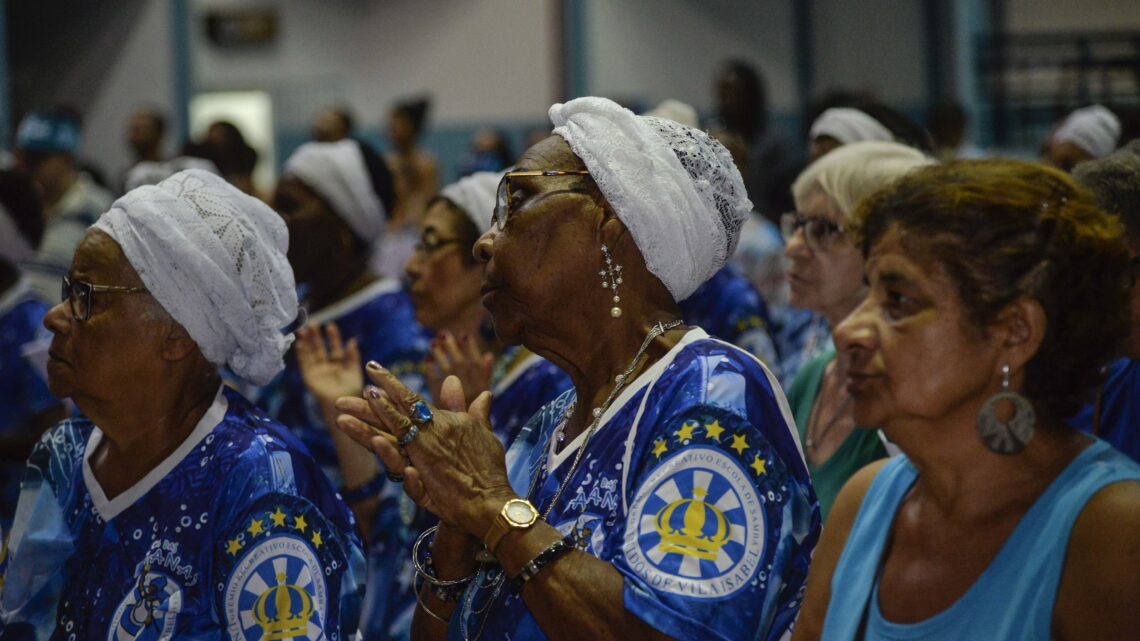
(819, 233)
(79, 294)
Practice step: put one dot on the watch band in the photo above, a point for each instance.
(544, 558)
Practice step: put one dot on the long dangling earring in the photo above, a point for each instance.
(611, 278)
(1007, 437)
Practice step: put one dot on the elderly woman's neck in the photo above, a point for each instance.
(144, 429)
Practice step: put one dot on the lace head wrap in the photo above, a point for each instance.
(337, 172)
(1094, 129)
(849, 125)
(214, 258)
(675, 188)
(475, 195)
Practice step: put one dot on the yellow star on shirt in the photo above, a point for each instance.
(713, 430)
(278, 518)
(317, 538)
(739, 443)
(233, 546)
(659, 447)
(299, 523)
(255, 528)
(758, 465)
(686, 431)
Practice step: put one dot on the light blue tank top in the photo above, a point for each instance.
(1012, 599)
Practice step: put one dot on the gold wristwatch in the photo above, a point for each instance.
(517, 514)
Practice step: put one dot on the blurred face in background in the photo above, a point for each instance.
(443, 277)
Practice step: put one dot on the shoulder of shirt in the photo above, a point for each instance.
(256, 435)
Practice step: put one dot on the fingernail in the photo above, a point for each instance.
(374, 366)
(372, 392)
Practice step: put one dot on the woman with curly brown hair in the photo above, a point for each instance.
(997, 292)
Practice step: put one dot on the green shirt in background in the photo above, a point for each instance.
(861, 447)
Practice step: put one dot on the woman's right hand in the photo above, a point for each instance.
(460, 358)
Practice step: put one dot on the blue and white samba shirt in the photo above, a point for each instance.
(729, 308)
(528, 382)
(694, 487)
(381, 319)
(236, 536)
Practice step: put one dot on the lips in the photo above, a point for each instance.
(858, 382)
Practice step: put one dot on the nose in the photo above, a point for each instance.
(856, 333)
(413, 269)
(58, 318)
(484, 247)
(796, 246)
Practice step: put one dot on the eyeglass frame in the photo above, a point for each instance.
(501, 213)
(67, 287)
(430, 249)
(798, 222)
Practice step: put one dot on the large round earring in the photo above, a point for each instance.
(611, 278)
(1007, 437)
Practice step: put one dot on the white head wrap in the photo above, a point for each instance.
(676, 111)
(14, 247)
(675, 188)
(1094, 129)
(336, 171)
(849, 125)
(214, 258)
(475, 195)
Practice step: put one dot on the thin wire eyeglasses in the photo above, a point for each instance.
(819, 233)
(429, 245)
(79, 293)
(503, 195)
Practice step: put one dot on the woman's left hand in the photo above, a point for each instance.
(455, 466)
(458, 357)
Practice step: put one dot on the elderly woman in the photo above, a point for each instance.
(997, 291)
(1115, 414)
(826, 277)
(665, 495)
(175, 509)
(444, 282)
(334, 196)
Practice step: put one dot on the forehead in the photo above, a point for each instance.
(100, 258)
(552, 153)
(817, 204)
(897, 256)
(441, 216)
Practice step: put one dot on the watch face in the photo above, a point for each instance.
(519, 512)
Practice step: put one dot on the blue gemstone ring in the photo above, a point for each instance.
(407, 439)
(421, 413)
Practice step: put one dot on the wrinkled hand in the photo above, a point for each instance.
(460, 358)
(455, 467)
(329, 367)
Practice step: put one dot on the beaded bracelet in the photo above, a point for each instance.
(544, 558)
(444, 590)
(360, 493)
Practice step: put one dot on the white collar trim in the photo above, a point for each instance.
(355, 301)
(645, 378)
(110, 508)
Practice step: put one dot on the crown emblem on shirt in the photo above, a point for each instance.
(692, 527)
(283, 611)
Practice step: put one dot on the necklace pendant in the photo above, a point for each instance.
(809, 443)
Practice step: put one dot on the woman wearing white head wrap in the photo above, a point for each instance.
(171, 490)
(1087, 133)
(443, 280)
(635, 497)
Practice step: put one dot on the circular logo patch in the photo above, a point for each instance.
(696, 528)
(150, 611)
(276, 592)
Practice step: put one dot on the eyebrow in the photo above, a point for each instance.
(892, 277)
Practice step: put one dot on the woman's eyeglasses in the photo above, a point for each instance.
(503, 196)
(79, 294)
(429, 245)
(819, 233)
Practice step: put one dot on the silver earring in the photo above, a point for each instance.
(1007, 437)
(611, 278)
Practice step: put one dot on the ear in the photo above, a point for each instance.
(177, 344)
(1020, 330)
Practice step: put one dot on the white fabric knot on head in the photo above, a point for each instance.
(675, 188)
(475, 195)
(849, 125)
(14, 246)
(1094, 129)
(214, 258)
(337, 172)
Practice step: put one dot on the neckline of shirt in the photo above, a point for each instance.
(110, 508)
